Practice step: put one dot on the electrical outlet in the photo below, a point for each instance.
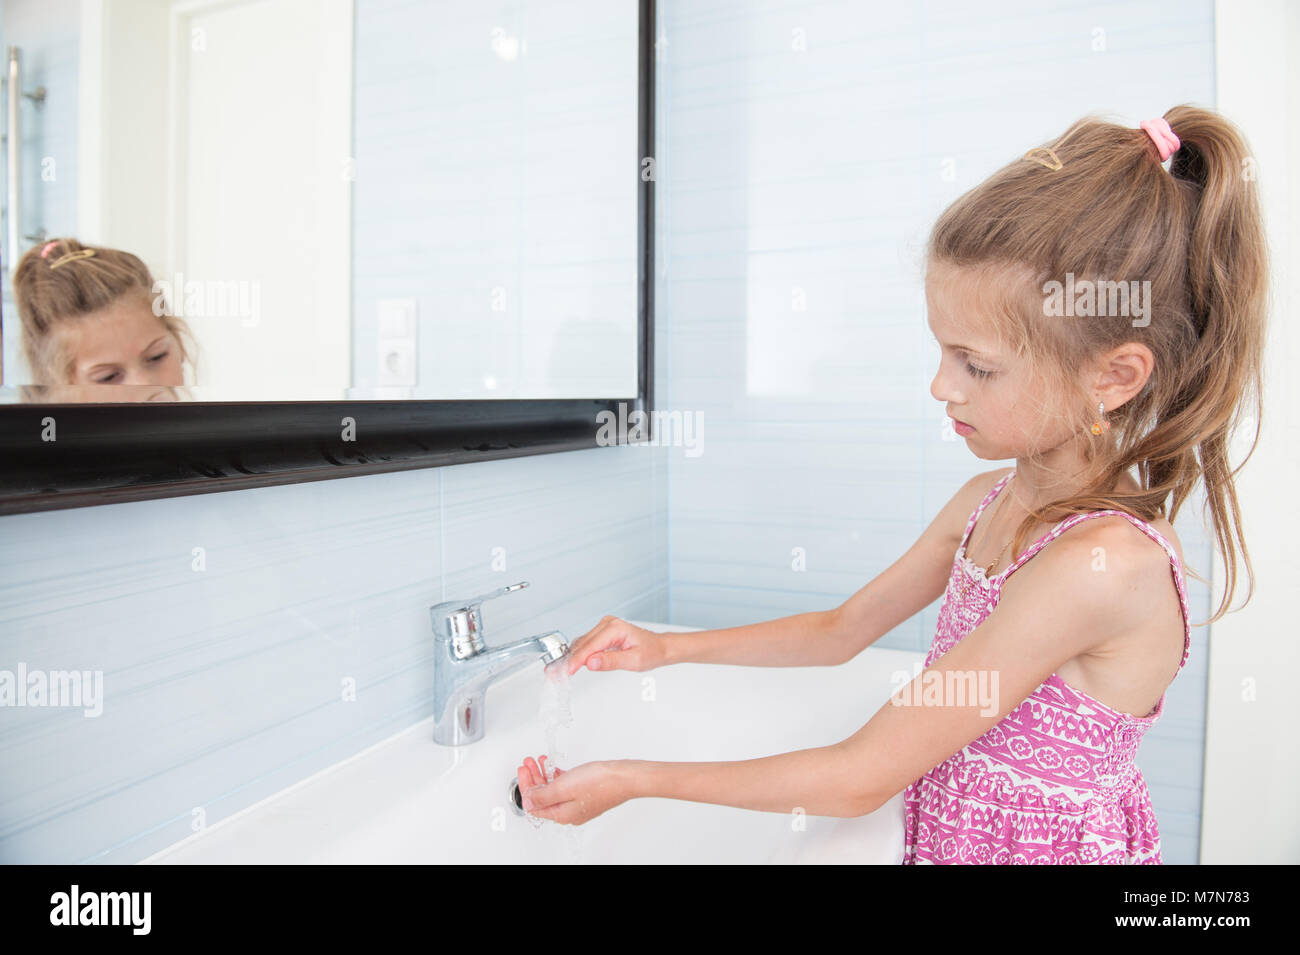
(397, 354)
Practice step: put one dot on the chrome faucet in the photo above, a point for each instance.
(464, 668)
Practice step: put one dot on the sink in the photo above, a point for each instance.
(409, 800)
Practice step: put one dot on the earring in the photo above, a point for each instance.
(1101, 424)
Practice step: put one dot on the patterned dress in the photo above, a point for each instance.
(1054, 782)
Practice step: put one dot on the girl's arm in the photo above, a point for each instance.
(803, 640)
(832, 637)
(1056, 608)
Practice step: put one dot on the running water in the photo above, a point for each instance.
(553, 710)
(556, 714)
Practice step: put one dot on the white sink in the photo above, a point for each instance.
(410, 800)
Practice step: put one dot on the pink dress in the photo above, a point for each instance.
(1054, 782)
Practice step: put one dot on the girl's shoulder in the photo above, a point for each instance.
(1120, 534)
(1122, 537)
(1144, 553)
(1161, 526)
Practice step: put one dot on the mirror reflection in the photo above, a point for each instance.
(319, 200)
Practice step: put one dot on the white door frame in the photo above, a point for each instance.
(1251, 772)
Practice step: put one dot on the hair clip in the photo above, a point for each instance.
(48, 245)
(79, 254)
(1054, 164)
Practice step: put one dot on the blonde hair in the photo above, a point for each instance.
(1109, 211)
(69, 281)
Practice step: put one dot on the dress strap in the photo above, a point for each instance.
(1176, 565)
(988, 499)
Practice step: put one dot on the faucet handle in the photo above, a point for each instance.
(461, 621)
(475, 601)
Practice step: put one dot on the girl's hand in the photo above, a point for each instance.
(614, 644)
(572, 796)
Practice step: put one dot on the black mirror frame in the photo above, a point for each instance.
(111, 453)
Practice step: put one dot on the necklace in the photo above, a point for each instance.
(984, 536)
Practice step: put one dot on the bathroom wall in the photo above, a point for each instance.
(805, 150)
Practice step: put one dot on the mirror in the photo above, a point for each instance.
(321, 200)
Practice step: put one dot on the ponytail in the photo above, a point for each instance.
(1227, 279)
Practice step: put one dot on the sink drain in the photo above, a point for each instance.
(516, 798)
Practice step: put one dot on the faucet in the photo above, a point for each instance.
(464, 668)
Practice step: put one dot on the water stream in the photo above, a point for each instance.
(556, 714)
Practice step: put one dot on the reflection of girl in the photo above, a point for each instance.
(90, 319)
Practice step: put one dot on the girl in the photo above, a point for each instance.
(91, 320)
(1080, 638)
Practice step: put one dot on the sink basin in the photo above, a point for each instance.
(410, 800)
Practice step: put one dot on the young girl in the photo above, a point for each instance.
(1086, 628)
(93, 329)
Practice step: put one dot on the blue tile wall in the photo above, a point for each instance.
(223, 684)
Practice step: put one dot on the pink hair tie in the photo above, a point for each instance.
(1162, 136)
(48, 245)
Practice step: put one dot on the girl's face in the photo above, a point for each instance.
(125, 344)
(989, 392)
